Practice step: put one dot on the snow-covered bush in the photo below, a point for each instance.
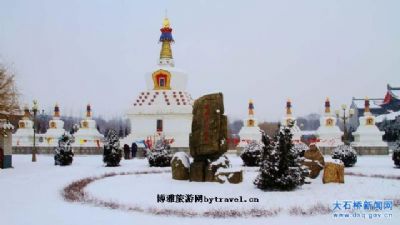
(396, 155)
(112, 152)
(161, 155)
(345, 153)
(281, 167)
(63, 154)
(251, 154)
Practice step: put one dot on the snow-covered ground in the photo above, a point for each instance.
(31, 194)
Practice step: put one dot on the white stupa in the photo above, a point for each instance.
(290, 120)
(88, 135)
(250, 131)
(328, 133)
(55, 131)
(24, 135)
(367, 133)
(165, 108)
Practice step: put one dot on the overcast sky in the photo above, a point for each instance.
(97, 51)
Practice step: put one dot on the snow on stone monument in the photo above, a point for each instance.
(208, 141)
(5, 144)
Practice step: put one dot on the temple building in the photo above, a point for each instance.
(24, 134)
(165, 108)
(368, 138)
(55, 130)
(329, 135)
(250, 131)
(88, 135)
(290, 120)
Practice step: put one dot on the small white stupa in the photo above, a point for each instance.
(368, 134)
(328, 133)
(290, 120)
(24, 134)
(56, 129)
(88, 135)
(250, 131)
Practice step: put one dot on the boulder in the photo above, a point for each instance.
(232, 176)
(333, 172)
(209, 127)
(197, 171)
(214, 166)
(314, 167)
(314, 160)
(314, 154)
(180, 166)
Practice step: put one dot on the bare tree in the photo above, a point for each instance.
(9, 103)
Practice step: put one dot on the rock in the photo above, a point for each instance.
(333, 172)
(209, 127)
(314, 160)
(314, 154)
(233, 176)
(214, 166)
(197, 171)
(314, 166)
(180, 166)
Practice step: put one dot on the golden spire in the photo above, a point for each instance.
(88, 111)
(27, 114)
(366, 105)
(327, 106)
(166, 39)
(251, 108)
(56, 110)
(166, 22)
(288, 107)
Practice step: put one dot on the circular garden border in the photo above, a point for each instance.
(75, 192)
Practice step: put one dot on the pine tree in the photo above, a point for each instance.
(112, 152)
(280, 168)
(161, 155)
(63, 154)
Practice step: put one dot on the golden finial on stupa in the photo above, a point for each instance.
(56, 110)
(366, 105)
(288, 107)
(166, 22)
(327, 105)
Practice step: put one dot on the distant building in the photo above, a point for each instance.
(378, 106)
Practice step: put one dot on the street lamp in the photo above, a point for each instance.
(344, 117)
(34, 110)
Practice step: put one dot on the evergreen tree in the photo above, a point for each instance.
(280, 168)
(112, 152)
(63, 154)
(161, 155)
